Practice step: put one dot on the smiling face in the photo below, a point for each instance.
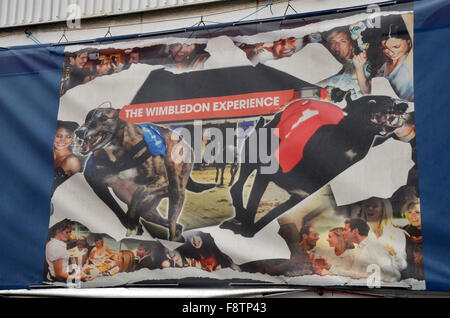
(134, 57)
(395, 48)
(99, 243)
(80, 60)
(372, 210)
(103, 69)
(413, 215)
(196, 241)
(284, 47)
(63, 139)
(181, 52)
(333, 240)
(310, 240)
(341, 46)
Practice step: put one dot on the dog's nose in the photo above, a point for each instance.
(81, 132)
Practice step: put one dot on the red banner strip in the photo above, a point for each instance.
(243, 105)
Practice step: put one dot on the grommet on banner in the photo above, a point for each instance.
(63, 37)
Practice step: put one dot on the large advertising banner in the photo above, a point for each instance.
(279, 153)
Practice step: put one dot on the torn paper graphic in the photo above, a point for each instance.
(75, 200)
(379, 174)
(381, 86)
(266, 244)
(78, 101)
(313, 64)
(224, 53)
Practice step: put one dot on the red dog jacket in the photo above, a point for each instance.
(298, 123)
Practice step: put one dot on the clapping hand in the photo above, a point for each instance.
(359, 60)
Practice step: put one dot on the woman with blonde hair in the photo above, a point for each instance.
(342, 259)
(378, 214)
(336, 240)
(100, 252)
(414, 238)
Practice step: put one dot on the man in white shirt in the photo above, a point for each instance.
(368, 252)
(57, 256)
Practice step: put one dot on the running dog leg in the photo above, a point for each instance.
(102, 191)
(237, 197)
(258, 188)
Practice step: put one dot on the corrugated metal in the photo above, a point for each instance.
(28, 12)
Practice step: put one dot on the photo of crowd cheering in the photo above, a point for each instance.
(365, 52)
(85, 65)
(367, 234)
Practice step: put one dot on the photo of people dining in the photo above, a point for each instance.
(73, 253)
(78, 257)
(367, 233)
(354, 64)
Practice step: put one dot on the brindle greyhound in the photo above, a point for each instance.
(122, 161)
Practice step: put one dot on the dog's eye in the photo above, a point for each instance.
(103, 118)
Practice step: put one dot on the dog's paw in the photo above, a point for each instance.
(128, 233)
(139, 230)
(248, 231)
(233, 225)
(132, 232)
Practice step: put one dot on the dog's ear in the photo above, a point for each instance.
(260, 122)
(348, 98)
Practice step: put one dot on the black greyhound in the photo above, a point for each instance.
(328, 152)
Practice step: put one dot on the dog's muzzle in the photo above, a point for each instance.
(90, 140)
(81, 132)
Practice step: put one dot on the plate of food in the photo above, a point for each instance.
(108, 262)
(103, 268)
(90, 271)
(97, 262)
